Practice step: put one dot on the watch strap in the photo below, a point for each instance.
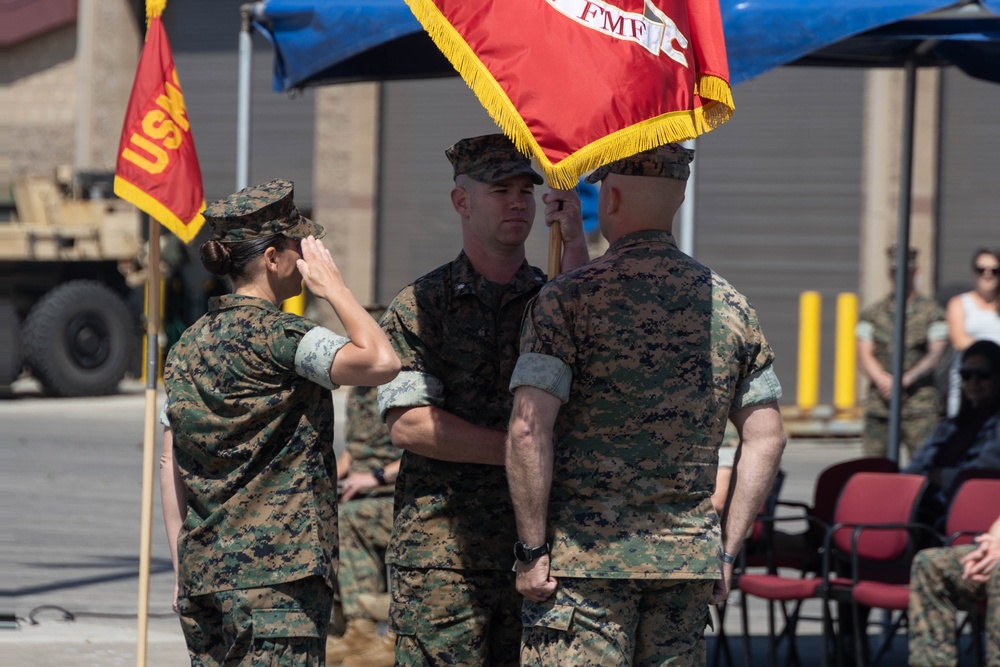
(526, 554)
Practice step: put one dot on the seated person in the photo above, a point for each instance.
(945, 580)
(970, 439)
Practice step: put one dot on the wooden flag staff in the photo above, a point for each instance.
(149, 435)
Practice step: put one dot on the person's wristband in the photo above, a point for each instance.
(728, 558)
(379, 475)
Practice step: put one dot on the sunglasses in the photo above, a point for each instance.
(974, 373)
(991, 270)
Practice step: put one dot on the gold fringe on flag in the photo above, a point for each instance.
(672, 127)
(154, 9)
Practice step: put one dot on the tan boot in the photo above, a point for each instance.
(381, 653)
(358, 636)
(376, 606)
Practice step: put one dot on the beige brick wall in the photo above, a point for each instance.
(39, 103)
(65, 98)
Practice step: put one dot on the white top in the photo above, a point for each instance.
(980, 323)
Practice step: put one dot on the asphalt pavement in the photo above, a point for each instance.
(71, 479)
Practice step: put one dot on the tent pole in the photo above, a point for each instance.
(902, 256)
(687, 211)
(243, 98)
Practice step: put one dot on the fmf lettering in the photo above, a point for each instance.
(612, 23)
(163, 130)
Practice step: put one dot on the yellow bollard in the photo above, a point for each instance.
(296, 304)
(809, 334)
(845, 374)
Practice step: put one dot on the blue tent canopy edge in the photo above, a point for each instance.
(318, 42)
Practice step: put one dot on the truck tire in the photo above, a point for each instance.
(77, 339)
(10, 344)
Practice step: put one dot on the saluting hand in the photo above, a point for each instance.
(319, 272)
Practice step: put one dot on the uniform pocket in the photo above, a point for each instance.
(554, 616)
(283, 623)
(403, 620)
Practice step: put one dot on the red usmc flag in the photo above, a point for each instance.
(579, 83)
(157, 167)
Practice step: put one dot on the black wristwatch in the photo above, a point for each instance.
(526, 554)
(379, 475)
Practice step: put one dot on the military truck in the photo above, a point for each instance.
(66, 246)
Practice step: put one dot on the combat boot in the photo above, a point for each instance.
(358, 636)
(380, 653)
(376, 606)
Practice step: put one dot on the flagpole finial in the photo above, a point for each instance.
(154, 8)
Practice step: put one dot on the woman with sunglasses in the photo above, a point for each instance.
(970, 439)
(974, 315)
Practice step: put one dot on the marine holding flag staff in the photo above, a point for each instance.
(456, 331)
(629, 367)
(249, 477)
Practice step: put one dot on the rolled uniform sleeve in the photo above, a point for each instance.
(866, 330)
(415, 385)
(758, 388)
(938, 330)
(544, 372)
(410, 389)
(315, 353)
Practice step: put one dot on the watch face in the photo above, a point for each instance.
(526, 554)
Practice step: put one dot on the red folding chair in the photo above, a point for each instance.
(800, 552)
(874, 536)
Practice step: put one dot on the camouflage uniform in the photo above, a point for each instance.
(249, 405)
(453, 595)
(649, 352)
(922, 407)
(937, 591)
(365, 522)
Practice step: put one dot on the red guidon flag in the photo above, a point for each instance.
(580, 83)
(157, 167)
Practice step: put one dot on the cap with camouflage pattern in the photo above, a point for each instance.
(666, 161)
(911, 257)
(490, 158)
(260, 211)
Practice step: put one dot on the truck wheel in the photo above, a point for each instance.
(77, 339)
(10, 344)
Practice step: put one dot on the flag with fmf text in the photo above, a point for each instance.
(157, 167)
(580, 83)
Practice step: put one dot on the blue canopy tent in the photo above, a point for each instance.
(318, 42)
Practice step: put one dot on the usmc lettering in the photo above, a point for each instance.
(163, 130)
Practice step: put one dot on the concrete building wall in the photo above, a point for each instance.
(39, 103)
(108, 44)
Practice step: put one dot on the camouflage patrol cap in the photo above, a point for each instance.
(666, 161)
(490, 158)
(259, 211)
(911, 257)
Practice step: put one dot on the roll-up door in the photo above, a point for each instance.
(204, 37)
(779, 203)
(970, 176)
(777, 197)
